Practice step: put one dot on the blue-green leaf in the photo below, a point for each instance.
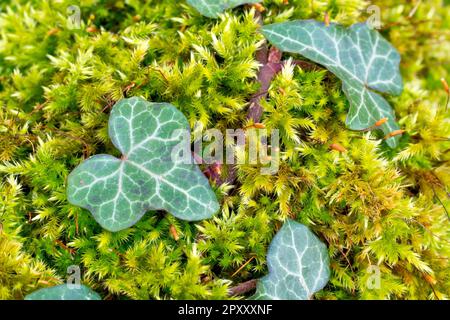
(64, 292)
(298, 265)
(359, 56)
(212, 8)
(147, 177)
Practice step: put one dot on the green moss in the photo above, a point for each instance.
(371, 205)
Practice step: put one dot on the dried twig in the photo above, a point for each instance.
(271, 65)
(243, 288)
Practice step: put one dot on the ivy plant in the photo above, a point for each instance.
(359, 56)
(147, 177)
(298, 265)
(212, 8)
(64, 292)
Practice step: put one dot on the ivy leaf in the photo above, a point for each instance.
(298, 265)
(212, 8)
(64, 292)
(359, 56)
(119, 191)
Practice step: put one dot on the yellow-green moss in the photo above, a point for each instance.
(371, 205)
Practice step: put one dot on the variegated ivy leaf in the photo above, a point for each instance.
(147, 177)
(212, 8)
(298, 265)
(64, 292)
(359, 56)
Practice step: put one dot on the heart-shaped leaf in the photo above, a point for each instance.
(119, 191)
(359, 56)
(298, 265)
(64, 292)
(212, 8)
